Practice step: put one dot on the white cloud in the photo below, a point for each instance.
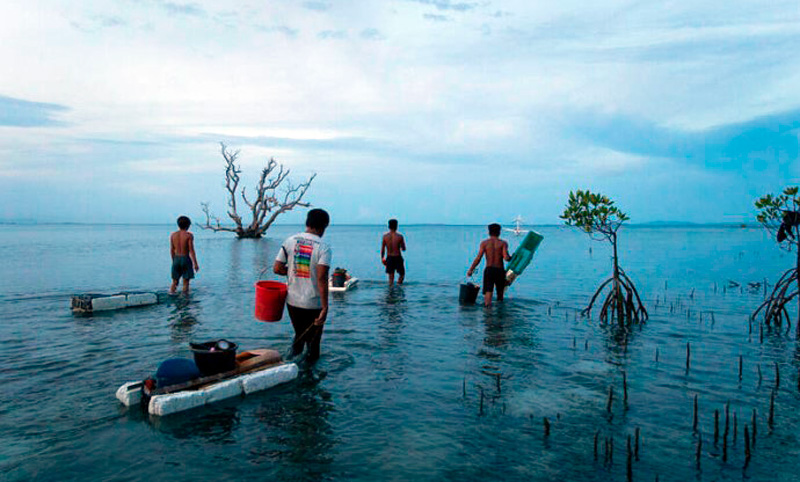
(353, 89)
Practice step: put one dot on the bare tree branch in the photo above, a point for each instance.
(267, 203)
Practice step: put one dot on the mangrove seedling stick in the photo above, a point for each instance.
(716, 427)
(630, 461)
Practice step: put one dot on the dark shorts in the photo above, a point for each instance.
(494, 277)
(182, 267)
(304, 332)
(395, 263)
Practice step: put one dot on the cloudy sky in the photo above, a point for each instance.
(434, 111)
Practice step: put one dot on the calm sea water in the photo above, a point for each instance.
(410, 384)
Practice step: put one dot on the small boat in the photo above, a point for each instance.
(518, 231)
(349, 284)
(255, 370)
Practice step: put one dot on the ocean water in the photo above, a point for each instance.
(410, 384)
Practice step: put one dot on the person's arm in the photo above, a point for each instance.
(477, 261)
(280, 267)
(190, 245)
(172, 246)
(322, 282)
(383, 250)
(506, 256)
(402, 243)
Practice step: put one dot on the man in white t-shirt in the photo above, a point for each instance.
(306, 260)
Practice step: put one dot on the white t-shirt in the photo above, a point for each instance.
(302, 253)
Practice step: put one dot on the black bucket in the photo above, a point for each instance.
(339, 280)
(468, 293)
(214, 357)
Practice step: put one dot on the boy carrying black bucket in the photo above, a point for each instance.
(494, 275)
(306, 260)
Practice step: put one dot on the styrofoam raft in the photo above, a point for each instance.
(178, 402)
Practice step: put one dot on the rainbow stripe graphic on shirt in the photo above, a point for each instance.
(302, 258)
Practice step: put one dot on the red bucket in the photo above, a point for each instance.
(270, 299)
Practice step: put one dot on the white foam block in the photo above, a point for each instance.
(262, 380)
(178, 402)
(130, 396)
(141, 299)
(109, 303)
(222, 390)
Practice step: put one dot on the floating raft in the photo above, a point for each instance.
(94, 302)
(256, 370)
(348, 285)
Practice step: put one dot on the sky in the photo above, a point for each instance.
(431, 111)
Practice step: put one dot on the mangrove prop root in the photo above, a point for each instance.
(621, 303)
(774, 307)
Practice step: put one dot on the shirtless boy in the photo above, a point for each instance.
(494, 275)
(184, 260)
(391, 256)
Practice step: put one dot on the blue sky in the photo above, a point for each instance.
(433, 111)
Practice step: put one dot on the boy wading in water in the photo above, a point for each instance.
(391, 253)
(494, 275)
(184, 260)
(306, 260)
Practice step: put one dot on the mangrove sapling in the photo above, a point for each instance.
(780, 215)
(597, 215)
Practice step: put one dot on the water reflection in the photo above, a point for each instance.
(214, 423)
(392, 310)
(297, 434)
(183, 318)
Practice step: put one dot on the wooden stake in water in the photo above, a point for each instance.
(725, 448)
(694, 417)
(777, 376)
(596, 436)
(746, 446)
(688, 355)
(727, 424)
(610, 398)
(636, 445)
(798, 383)
(771, 418)
(630, 461)
(625, 388)
(716, 427)
(755, 429)
(735, 426)
(699, 450)
(758, 369)
(611, 450)
(740, 368)
(546, 427)
(480, 411)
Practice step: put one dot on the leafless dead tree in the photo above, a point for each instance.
(268, 203)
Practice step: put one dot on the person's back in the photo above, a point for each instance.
(184, 259)
(495, 249)
(494, 276)
(306, 260)
(392, 246)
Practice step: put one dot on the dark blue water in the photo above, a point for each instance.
(410, 385)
